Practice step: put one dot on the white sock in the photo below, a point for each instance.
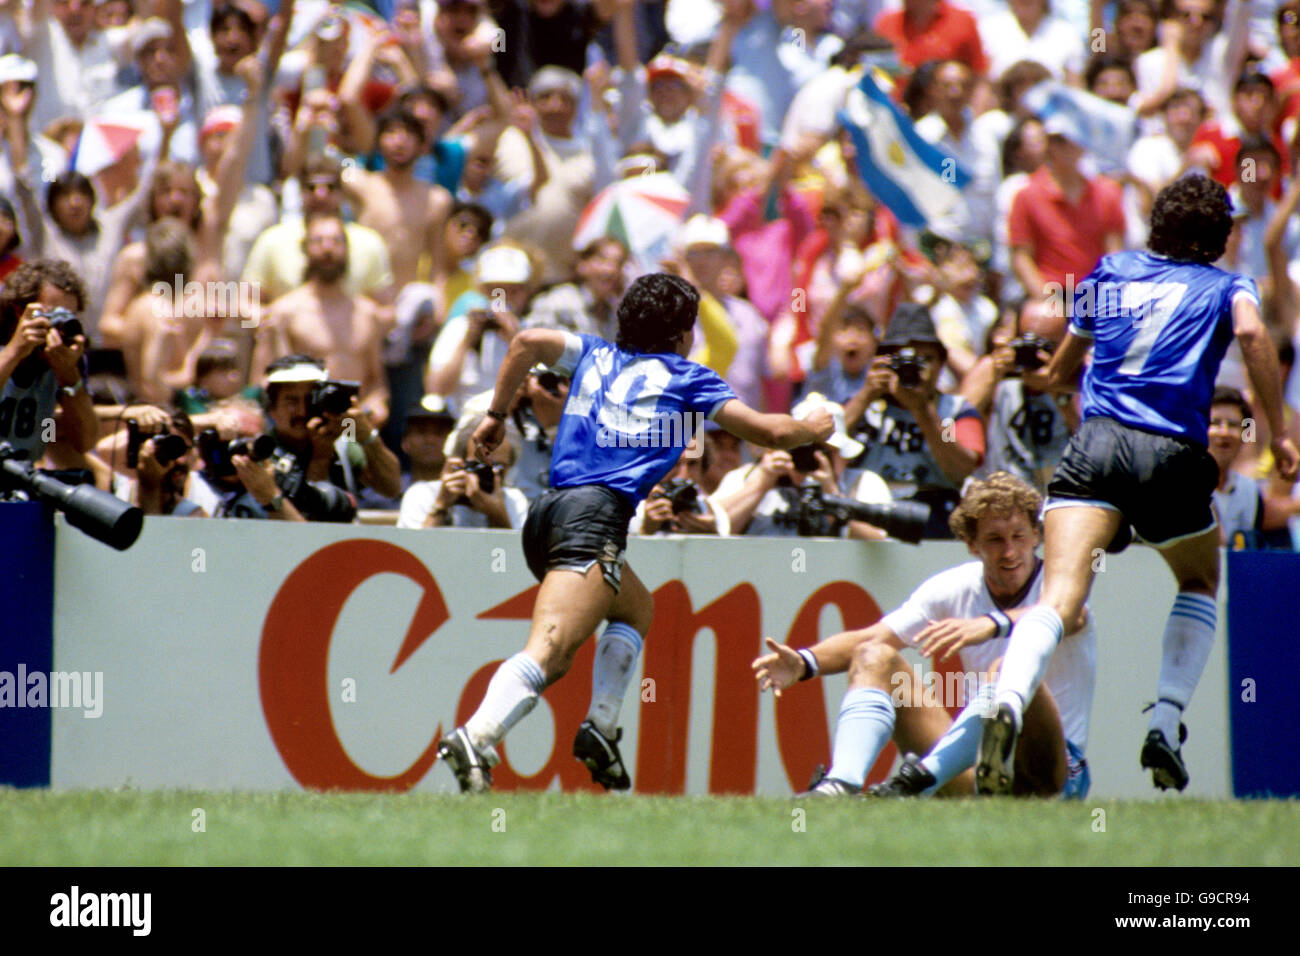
(616, 656)
(1189, 636)
(511, 694)
(959, 747)
(1032, 642)
(865, 725)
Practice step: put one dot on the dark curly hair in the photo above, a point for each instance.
(1190, 220)
(23, 287)
(655, 312)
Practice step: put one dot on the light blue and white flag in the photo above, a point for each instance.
(1103, 128)
(919, 182)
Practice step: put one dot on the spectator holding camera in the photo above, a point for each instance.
(1027, 425)
(41, 368)
(538, 408)
(327, 447)
(679, 503)
(470, 493)
(472, 344)
(924, 443)
(765, 498)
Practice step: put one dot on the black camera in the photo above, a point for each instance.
(909, 365)
(167, 447)
(332, 398)
(1026, 349)
(550, 383)
(822, 515)
(485, 473)
(65, 321)
(683, 494)
(805, 457)
(217, 454)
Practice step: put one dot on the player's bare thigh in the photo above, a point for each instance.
(1073, 537)
(1195, 562)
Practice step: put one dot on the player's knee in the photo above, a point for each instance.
(873, 665)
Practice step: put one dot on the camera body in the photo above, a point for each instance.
(167, 447)
(683, 494)
(909, 365)
(332, 398)
(217, 454)
(821, 515)
(65, 321)
(1026, 349)
(485, 473)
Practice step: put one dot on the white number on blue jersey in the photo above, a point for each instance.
(630, 404)
(1151, 304)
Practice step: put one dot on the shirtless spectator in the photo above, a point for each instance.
(321, 317)
(276, 261)
(408, 213)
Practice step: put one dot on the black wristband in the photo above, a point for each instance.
(499, 416)
(809, 664)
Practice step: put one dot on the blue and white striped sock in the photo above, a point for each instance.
(615, 664)
(1189, 636)
(865, 724)
(1024, 664)
(511, 694)
(960, 745)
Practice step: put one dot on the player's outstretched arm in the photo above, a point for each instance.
(783, 666)
(1260, 356)
(774, 430)
(528, 348)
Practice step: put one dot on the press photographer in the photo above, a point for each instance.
(679, 503)
(42, 363)
(924, 443)
(470, 493)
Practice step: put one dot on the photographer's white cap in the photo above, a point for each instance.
(14, 67)
(839, 439)
(506, 264)
(302, 372)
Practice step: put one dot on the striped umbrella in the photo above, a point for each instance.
(643, 212)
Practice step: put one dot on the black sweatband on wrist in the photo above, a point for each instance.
(809, 664)
(499, 416)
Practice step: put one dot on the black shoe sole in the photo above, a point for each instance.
(1167, 770)
(601, 775)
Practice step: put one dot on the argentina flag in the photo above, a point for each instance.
(917, 181)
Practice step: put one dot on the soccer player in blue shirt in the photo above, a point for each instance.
(1158, 324)
(631, 410)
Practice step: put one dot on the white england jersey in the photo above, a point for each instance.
(961, 592)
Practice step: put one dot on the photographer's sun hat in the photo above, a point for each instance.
(302, 372)
(839, 439)
(911, 324)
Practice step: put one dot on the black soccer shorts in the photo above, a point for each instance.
(570, 529)
(1163, 486)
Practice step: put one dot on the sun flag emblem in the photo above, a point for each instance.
(896, 155)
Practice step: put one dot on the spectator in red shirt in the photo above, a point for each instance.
(933, 30)
(1253, 110)
(1062, 222)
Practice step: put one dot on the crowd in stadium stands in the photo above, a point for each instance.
(324, 223)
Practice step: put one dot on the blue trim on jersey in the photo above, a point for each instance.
(629, 416)
(1160, 329)
(1078, 780)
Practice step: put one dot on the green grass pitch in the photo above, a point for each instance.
(130, 828)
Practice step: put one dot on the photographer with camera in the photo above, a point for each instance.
(324, 449)
(151, 461)
(42, 362)
(679, 503)
(1027, 424)
(766, 498)
(470, 493)
(924, 443)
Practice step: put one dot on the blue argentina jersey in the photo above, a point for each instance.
(1159, 331)
(629, 415)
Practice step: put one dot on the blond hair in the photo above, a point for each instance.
(1001, 495)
